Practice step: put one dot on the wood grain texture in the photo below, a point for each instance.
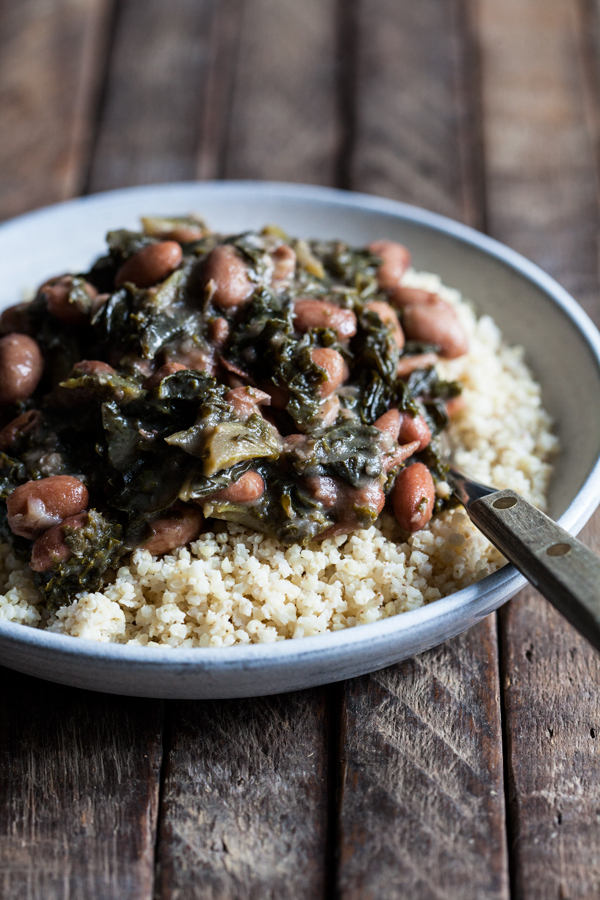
(422, 802)
(416, 126)
(422, 806)
(542, 184)
(284, 122)
(542, 190)
(155, 94)
(78, 792)
(225, 37)
(50, 57)
(244, 813)
(244, 806)
(589, 34)
(552, 710)
(79, 772)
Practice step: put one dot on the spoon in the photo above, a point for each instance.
(563, 569)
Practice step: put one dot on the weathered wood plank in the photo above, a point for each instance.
(284, 123)
(79, 772)
(422, 800)
(244, 809)
(542, 190)
(155, 94)
(422, 811)
(78, 792)
(552, 712)
(50, 52)
(225, 37)
(542, 184)
(416, 117)
(244, 812)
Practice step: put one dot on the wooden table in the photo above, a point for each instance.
(472, 770)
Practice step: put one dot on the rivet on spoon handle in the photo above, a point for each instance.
(565, 571)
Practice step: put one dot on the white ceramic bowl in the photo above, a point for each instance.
(563, 349)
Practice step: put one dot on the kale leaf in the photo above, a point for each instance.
(351, 451)
(96, 547)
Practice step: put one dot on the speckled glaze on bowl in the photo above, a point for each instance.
(563, 349)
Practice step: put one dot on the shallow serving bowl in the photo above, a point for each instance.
(562, 347)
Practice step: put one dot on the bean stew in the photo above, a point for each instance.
(285, 385)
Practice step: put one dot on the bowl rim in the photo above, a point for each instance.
(477, 598)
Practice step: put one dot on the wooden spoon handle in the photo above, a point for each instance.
(565, 571)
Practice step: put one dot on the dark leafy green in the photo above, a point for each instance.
(96, 547)
(350, 451)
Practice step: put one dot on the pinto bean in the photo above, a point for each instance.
(395, 259)
(14, 320)
(436, 323)
(390, 423)
(292, 441)
(335, 367)
(351, 504)
(51, 548)
(414, 428)
(413, 496)
(311, 313)
(137, 366)
(92, 367)
(151, 264)
(388, 317)
(284, 263)
(325, 490)
(245, 400)
(229, 274)
(191, 355)
(399, 455)
(57, 294)
(408, 364)
(70, 397)
(19, 427)
(411, 296)
(247, 489)
(233, 369)
(168, 369)
(21, 367)
(35, 506)
(370, 496)
(219, 331)
(329, 410)
(179, 525)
